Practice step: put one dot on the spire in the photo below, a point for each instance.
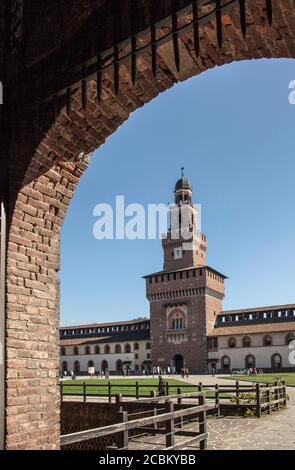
(182, 171)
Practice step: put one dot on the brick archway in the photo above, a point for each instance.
(49, 151)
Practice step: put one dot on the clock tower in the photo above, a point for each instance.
(186, 295)
(184, 246)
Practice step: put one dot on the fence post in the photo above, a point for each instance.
(122, 437)
(137, 390)
(237, 392)
(118, 399)
(268, 398)
(61, 391)
(84, 391)
(179, 402)
(217, 401)
(277, 395)
(179, 399)
(110, 391)
(170, 428)
(258, 401)
(153, 395)
(167, 387)
(284, 392)
(202, 423)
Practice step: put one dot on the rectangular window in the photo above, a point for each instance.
(212, 343)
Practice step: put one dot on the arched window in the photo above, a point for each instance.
(64, 366)
(177, 321)
(87, 350)
(127, 348)
(232, 342)
(119, 366)
(246, 341)
(276, 361)
(118, 349)
(90, 364)
(62, 351)
(104, 366)
(289, 338)
(267, 340)
(107, 349)
(136, 346)
(147, 345)
(225, 363)
(77, 366)
(249, 361)
(97, 349)
(76, 351)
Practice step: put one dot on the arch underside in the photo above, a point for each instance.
(48, 155)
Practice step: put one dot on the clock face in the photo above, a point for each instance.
(177, 253)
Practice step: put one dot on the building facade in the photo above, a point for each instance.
(261, 338)
(188, 327)
(107, 347)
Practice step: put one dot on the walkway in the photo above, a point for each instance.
(274, 432)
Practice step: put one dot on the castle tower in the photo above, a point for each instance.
(186, 295)
(185, 246)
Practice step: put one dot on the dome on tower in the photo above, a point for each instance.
(182, 183)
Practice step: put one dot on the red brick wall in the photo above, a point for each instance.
(47, 159)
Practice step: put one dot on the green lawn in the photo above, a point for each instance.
(267, 378)
(124, 386)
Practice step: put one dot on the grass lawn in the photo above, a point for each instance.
(124, 386)
(267, 378)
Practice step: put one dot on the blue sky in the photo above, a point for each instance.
(232, 128)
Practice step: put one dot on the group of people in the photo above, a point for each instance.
(67, 373)
(184, 372)
(159, 371)
(156, 371)
(253, 371)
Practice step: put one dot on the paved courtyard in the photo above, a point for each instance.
(274, 432)
(271, 432)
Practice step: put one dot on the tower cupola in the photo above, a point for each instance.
(183, 190)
